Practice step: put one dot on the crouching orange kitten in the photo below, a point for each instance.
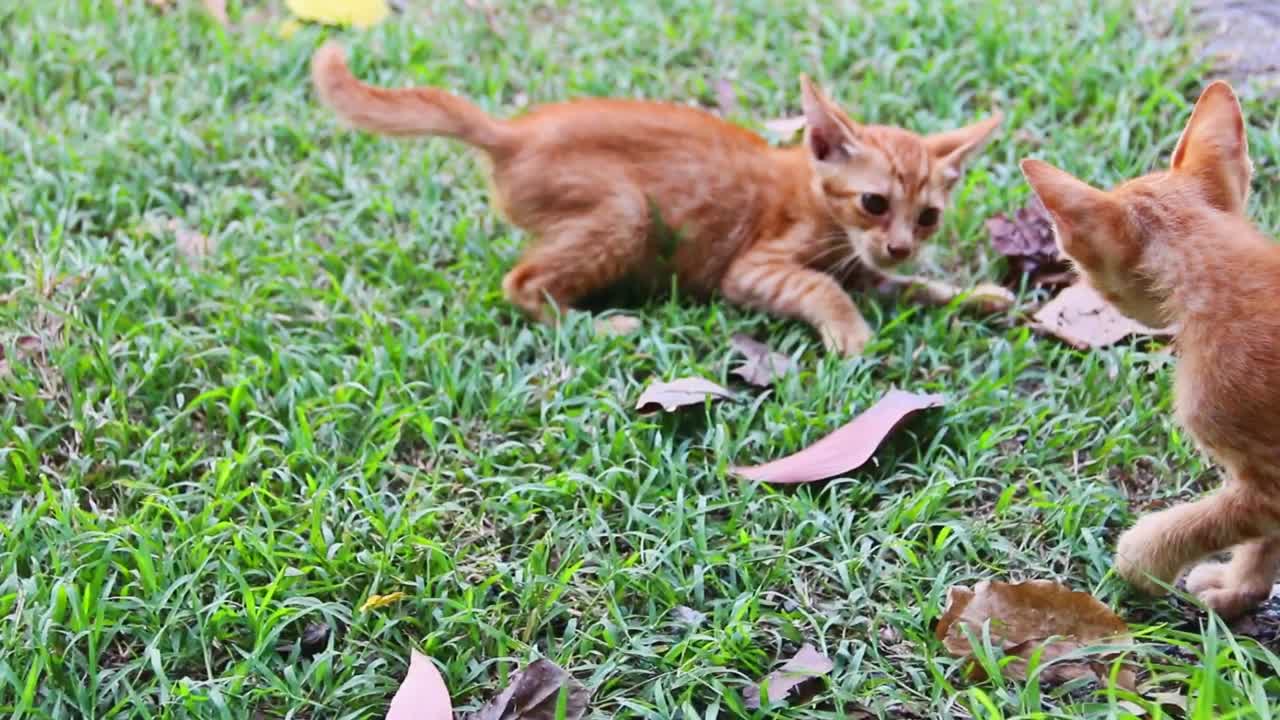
(595, 182)
(1176, 247)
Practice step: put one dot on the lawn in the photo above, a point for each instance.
(208, 449)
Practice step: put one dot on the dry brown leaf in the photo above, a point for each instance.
(534, 694)
(785, 128)
(1026, 239)
(762, 365)
(675, 394)
(1082, 318)
(422, 695)
(617, 325)
(1037, 615)
(848, 447)
(806, 665)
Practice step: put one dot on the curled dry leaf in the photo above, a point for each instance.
(1026, 239)
(380, 601)
(313, 639)
(1037, 615)
(358, 13)
(762, 365)
(1082, 318)
(617, 325)
(534, 694)
(847, 448)
(785, 128)
(805, 666)
(422, 695)
(688, 616)
(678, 393)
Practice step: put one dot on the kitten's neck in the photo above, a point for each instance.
(1213, 269)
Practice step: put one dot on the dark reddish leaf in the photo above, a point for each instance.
(534, 694)
(847, 448)
(1026, 239)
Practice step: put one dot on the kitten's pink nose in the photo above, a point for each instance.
(900, 252)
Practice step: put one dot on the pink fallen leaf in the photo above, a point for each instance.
(1082, 318)
(847, 448)
(422, 695)
(806, 665)
(726, 98)
(676, 394)
(786, 127)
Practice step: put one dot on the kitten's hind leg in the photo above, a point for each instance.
(573, 259)
(1243, 583)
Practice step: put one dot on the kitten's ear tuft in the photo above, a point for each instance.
(955, 148)
(1214, 147)
(1079, 210)
(826, 134)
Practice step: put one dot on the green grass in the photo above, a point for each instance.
(337, 402)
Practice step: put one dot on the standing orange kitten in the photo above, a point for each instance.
(1176, 247)
(595, 182)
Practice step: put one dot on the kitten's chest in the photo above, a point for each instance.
(1235, 420)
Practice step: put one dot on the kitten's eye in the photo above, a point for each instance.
(875, 204)
(929, 217)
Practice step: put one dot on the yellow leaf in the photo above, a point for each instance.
(360, 13)
(288, 28)
(380, 601)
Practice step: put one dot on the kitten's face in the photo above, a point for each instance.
(1111, 235)
(887, 188)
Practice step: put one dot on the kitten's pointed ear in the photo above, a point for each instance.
(826, 134)
(1077, 209)
(1215, 148)
(955, 148)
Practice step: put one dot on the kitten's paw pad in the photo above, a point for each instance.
(1139, 561)
(991, 298)
(847, 340)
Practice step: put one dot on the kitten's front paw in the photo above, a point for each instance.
(1221, 592)
(848, 339)
(991, 298)
(1141, 560)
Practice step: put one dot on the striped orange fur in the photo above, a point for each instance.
(768, 228)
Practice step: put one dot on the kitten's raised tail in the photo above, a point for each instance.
(402, 112)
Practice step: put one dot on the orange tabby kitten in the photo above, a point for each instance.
(595, 182)
(1176, 247)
